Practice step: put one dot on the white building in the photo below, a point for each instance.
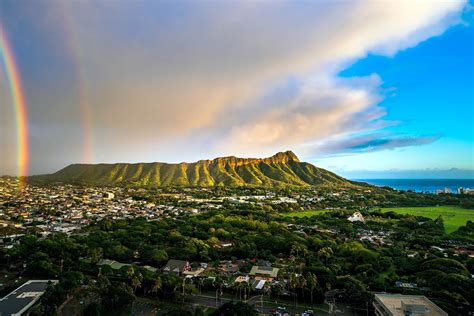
(356, 217)
(444, 191)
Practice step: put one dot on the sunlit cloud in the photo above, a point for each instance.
(239, 78)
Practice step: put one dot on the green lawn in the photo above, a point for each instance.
(453, 216)
(305, 213)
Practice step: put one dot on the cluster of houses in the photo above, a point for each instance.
(260, 274)
(66, 209)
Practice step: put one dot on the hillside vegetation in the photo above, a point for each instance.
(282, 169)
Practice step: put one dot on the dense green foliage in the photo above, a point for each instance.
(315, 254)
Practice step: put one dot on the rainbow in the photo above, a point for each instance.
(76, 51)
(13, 76)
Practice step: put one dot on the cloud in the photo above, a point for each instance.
(243, 78)
(368, 143)
(317, 109)
(452, 173)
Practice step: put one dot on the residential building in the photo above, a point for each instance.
(268, 272)
(356, 217)
(177, 266)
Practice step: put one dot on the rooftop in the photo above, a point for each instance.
(21, 299)
(403, 305)
(268, 271)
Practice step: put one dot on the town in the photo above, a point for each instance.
(236, 158)
(198, 250)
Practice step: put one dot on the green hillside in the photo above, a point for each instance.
(282, 169)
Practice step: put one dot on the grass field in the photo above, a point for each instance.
(305, 213)
(453, 216)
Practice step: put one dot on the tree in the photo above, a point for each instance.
(356, 291)
(445, 265)
(312, 282)
(278, 290)
(71, 280)
(157, 285)
(137, 281)
(325, 253)
(218, 283)
(200, 283)
(292, 281)
(158, 256)
(51, 299)
(135, 278)
(96, 254)
(247, 288)
(117, 296)
(302, 283)
(298, 250)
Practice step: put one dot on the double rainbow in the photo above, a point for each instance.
(13, 77)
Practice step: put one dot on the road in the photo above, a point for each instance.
(264, 306)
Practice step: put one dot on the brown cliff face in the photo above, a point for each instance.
(281, 157)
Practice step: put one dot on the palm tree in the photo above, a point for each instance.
(266, 291)
(137, 281)
(293, 284)
(200, 282)
(130, 273)
(326, 253)
(302, 283)
(242, 286)
(157, 286)
(218, 282)
(278, 289)
(247, 288)
(312, 282)
(297, 250)
(292, 281)
(184, 287)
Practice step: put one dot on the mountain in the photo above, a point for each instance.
(282, 169)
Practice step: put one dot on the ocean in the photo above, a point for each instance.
(422, 185)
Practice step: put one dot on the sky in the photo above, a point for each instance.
(362, 88)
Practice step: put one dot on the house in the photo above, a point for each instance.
(242, 278)
(405, 305)
(176, 266)
(229, 267)
(356, 217)
(223, 244)
(150, 268)
(193, 272)
(115, 265)
(109, 195)
(259, 284)
(268, 272)
(406, 285)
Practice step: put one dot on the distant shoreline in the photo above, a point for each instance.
(422, 185)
